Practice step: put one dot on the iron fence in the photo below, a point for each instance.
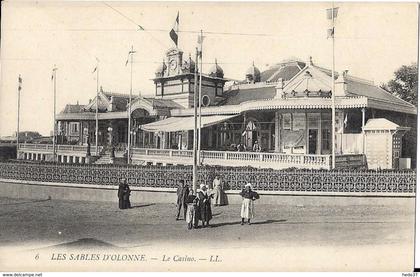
(291, 180)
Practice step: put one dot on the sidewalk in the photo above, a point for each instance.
(384, 232)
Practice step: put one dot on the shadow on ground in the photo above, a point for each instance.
(141, 206)
(270, 221)
(26, 202)
(84, 243)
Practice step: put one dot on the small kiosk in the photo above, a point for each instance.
(382, 143)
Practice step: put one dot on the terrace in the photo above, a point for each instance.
(147, 156)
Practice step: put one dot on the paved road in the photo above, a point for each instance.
(351, 237)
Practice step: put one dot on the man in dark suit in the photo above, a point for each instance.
(182, 197)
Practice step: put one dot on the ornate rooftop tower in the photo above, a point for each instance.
(174, 79)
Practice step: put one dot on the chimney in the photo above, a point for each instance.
(112, 104)
(279, 89)
(341, 84)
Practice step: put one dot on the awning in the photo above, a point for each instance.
(173, 124)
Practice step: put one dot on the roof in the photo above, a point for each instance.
(310, 84)
(373, 92)
(174, 124)
(380, 124)
(163, 103)
(115, 94)
(119, 100)
(102, 104)
(284, 70)
(243, 93)
(73, 108)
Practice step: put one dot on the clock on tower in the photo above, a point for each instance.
(173, 64)
(174, 56)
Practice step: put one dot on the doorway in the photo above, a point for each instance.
(312, 141)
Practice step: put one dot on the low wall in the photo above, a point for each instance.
(41, 190)
(320, 182)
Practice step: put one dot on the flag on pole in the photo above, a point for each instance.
(200, 39)
(20, 83)
(331, 13)
(52, 74)
(330, 33)
(128, 57)
(174, 32)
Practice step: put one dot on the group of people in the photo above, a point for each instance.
(256, 147)
(198, 207)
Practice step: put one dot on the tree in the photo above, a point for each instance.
(28, 136)
(404, 84)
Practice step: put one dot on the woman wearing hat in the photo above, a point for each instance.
(204, 206)
(220, 197)
(120, 194)
(248, 198)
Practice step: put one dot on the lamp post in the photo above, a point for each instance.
(110, 135)
(54, 78)
(131, 53)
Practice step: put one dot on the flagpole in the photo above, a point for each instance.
(333, 90)
(96, 113)
(18, 113)
(195, 125)
(129, 106)
(200, 98)
(54, 126)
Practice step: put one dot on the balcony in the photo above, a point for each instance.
(78, 154)
(64, 153)
(59, 148)
(228, 158)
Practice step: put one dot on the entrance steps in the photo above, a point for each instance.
(104, 159)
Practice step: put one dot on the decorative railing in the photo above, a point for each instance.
(277, 160)
(59, 147)
(322, 161)
(233, 178)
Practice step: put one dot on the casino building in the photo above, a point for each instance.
(281, 117)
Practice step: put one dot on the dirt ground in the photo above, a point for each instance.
(351, 237)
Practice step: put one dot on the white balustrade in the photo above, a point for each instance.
(225, 156)
(211, 157)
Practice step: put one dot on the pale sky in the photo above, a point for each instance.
(372, 41)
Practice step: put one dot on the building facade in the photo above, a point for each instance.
(277, 118)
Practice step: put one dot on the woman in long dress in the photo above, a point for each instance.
(220, 197)
(248, 198)
(126, 197)
(204, 206)
(121, 193)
